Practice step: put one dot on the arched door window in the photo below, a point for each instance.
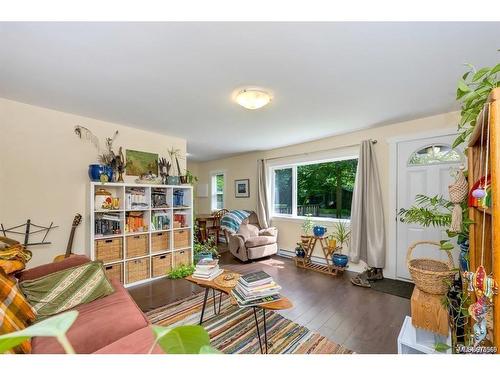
(434, 154)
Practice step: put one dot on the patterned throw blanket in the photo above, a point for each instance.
(13, 255)
(233, 219)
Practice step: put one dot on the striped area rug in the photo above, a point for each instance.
(233, 330)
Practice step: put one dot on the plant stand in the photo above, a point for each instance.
(329, 268)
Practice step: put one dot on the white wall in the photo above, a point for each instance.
(43, 169)
(245, 166)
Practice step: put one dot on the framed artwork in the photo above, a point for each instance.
(242, 188)
(139, 163)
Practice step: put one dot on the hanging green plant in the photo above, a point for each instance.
(472, 91)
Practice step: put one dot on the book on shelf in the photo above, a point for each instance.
(106, 224)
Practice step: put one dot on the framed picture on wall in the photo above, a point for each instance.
(139, 163)
(242, 188)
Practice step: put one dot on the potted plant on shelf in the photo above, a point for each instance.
(174, 154)
(341, 234)
(307, 227)
(106, 157)
(332, 241)
(191, 179)
(207, 249)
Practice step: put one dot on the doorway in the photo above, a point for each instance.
(424, 166)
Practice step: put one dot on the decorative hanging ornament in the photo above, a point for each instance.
(479, 193)
(458, 192)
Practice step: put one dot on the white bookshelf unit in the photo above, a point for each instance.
(148, 233)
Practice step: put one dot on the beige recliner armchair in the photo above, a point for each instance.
(252, 242)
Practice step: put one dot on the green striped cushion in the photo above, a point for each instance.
(65, 289)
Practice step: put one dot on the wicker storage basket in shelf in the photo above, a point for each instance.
(430, 275)
(181, 238)
(160, 242)
(182, 257)
(137, 245)
(137, 270)
(162, 264)
(109, 250)
(114, 271)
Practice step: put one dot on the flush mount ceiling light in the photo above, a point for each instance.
(252, 98)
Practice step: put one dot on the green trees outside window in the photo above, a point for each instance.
(322, 189)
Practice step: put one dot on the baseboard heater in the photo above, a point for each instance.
(291, 254)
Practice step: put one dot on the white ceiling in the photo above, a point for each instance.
(178, 78)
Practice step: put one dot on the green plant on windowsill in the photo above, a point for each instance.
(181, 272)
(187, 339)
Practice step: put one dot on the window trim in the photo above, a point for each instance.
(213, 190)
(293, 216)
(439, 162)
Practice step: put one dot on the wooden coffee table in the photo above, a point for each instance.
(210, 284)
(282, 304)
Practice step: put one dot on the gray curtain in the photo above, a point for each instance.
(367, 216)
(262, 195)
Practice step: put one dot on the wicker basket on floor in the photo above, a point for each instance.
(430, 275)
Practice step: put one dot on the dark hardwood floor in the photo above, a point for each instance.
(363, 320)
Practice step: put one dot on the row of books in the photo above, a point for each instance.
(134, 222)
(160, 220)
(207, 269)
(256, 288)
(107, 224)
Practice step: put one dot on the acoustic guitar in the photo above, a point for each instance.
(76, 222)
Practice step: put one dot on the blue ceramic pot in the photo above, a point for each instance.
(201, 256)
(173, 180)
(96, 170)
(340, 260)
(319, 231)
(299, 252)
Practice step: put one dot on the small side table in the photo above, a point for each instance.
(283, 304)
(210, 284)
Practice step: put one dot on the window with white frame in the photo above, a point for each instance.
(218, 181)
(321, 189)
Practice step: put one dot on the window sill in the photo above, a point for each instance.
(314, 219)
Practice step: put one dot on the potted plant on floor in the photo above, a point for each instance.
(342, 235)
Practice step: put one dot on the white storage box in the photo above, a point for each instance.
(413, 340)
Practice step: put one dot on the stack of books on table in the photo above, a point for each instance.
(207, 269)
(256, 288)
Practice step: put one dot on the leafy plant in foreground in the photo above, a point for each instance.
(56, 327)
(178, 340)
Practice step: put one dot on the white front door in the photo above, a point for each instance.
(424, 167)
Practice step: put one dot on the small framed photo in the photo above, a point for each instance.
(242, 188)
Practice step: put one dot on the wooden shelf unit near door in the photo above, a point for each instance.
(492, 216)
(138, 257)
